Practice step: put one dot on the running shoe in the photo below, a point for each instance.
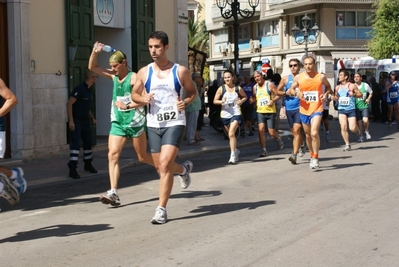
(280, 143)
(368, 136)
(110, 198)
(301, 151)
(10, 193)
(237, 154)
(328, 138)
(347, 148)
(292, 159)
(232, 160)
(185, 180)
(389, 124)
(264, 153)
(160, 216)
(19, 182)
(314, 163)
(361, 139)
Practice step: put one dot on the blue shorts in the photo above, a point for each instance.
(362, 113)
(307, 119)
(227, 122)
(393, 101)
(293, 116)
(348, 113)
(157, 137)
(268, 118)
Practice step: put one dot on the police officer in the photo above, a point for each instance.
(79, 117)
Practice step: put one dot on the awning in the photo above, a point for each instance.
(348, 54)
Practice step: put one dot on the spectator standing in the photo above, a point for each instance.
(79, 123)
(376, 99)
(192, 112)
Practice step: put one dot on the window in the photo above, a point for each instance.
(221, 38)
(268, 33)
(298, 20)
(353, 24)
(267, 28)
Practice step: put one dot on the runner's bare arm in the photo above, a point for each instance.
(327, 86)
(280, 88)
(217, 100)
(9, 97)
(93, 64)
(188, 84)
(243, 96)
(139, 94)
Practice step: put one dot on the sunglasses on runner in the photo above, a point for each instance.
(293, 65)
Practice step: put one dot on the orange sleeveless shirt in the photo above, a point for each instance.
(311, 89)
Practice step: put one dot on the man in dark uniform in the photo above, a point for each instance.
(79, 117)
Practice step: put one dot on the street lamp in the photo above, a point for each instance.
(233, 11)
(309, 34)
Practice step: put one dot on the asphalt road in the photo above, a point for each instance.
(260, 212)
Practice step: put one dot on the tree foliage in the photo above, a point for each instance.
(198, 36)
(385, 36)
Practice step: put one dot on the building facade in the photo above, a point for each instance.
(344, 27)
(43, 55)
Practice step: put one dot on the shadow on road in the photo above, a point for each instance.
(224, 208)
(61, 230)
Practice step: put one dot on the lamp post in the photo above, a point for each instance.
(307, 32)
(234, 10)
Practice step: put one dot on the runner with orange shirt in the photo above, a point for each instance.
(310, 92)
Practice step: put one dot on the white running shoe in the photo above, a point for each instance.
(347, 148)
(160, 216)
(185, 180)
(232, 160)
(314, 163)
(368, 136)
(237, 153)
(110, 198)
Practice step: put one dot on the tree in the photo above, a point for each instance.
(198, 36)
(385, 35)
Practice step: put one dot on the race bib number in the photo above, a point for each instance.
(167, 112)
(311, 96)
(230, 101)
(364, 96)
(264, 101)
(125, 99)
(393, 95)
(344, 101)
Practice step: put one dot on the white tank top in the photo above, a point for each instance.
(230, 107)
(162, 110)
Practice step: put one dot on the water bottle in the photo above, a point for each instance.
(108, 48)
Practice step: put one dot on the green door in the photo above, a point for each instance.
(80, 40)
(143, 23)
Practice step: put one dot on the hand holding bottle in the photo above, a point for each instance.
(98, 47)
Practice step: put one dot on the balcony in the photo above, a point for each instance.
(295, 3)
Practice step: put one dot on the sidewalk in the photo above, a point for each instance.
(54, 170)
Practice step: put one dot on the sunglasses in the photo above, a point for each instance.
(294, 65)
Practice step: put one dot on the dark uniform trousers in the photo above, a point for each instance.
(82, 132)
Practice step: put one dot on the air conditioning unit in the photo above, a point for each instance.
(223, 50)
(231, 48)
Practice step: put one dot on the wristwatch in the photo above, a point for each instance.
(185, 103)
(128, 106)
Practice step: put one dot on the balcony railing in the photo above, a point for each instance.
(297, 2)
